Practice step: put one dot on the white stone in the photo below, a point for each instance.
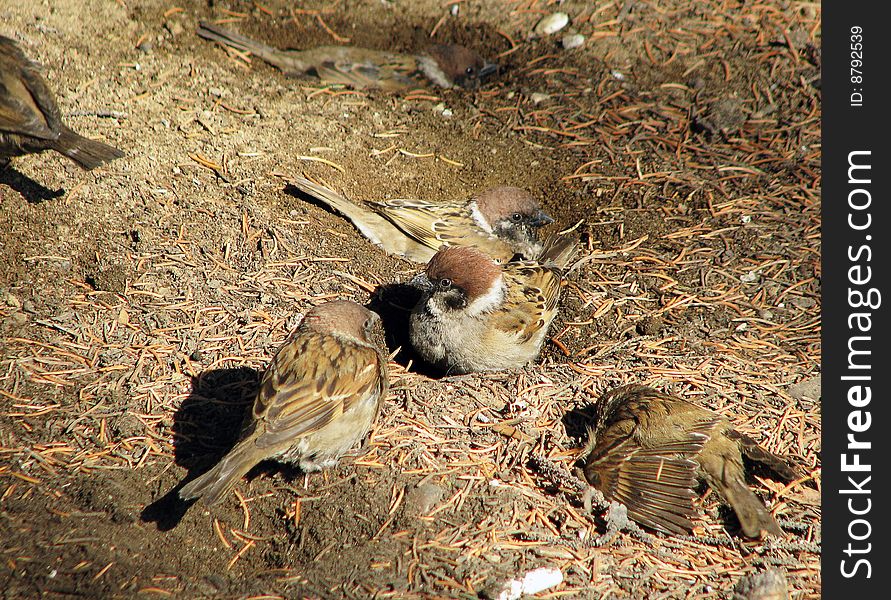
(538, 97)
(531, 583)
(572, 40)
(551, 24)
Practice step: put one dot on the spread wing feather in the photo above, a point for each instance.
(655, 486)
(393, 75)
(656, 482)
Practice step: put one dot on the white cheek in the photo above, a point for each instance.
(434, 307)
(431, 69)
(489, 300)
(478, 217)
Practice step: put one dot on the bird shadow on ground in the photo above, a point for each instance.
(579, 420)
(32, 191)
(295, 191)
(394, 302)
(205, 427)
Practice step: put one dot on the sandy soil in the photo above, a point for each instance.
(139, 301)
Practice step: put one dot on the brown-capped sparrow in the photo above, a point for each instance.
(646, 449)
(477, 315)
(30, 120)
(502, 222)
(317, 399)
(362, 68)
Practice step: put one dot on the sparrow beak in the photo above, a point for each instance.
(488, 69)
(541, 219)
(421, 282)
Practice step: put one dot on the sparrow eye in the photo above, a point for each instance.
(516, 217)
(470, 71)
(445, 284)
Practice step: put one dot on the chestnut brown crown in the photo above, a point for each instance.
(504, 202)
(461, 65)
(463, 267)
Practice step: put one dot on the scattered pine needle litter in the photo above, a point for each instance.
(319, 159)
(134, 359)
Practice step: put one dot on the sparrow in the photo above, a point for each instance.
(477, 315)
(647, 449)
(502, 222)
(442, 65)
(30, 120)
(318, 397)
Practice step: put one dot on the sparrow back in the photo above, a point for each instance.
(319, 396)
(365, 68)
(30, 120)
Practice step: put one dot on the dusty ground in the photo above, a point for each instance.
(138, 301)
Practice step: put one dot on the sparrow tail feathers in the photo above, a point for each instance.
(753, 516)
(371, 224)
(87, 153)
(212, 485)
(287, 63)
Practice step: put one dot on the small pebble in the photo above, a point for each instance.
(538, 97)
(750, 277)
(174, 27)
(769, 585)
(532, 582)
(551, 24)
(441, 109)
(423, 498)
(809, 389)
(572, 40)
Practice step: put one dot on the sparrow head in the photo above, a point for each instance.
(457, 65)
(512, 214)
(460, 278)
(341, 317)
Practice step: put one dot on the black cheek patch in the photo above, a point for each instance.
(454, 299)
(507, 229)
(470, 83)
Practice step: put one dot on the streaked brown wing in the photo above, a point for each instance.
(26, 104)
(534, 291)
(364, 76)
(430, 224)
(366, 69)
(312, 380)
